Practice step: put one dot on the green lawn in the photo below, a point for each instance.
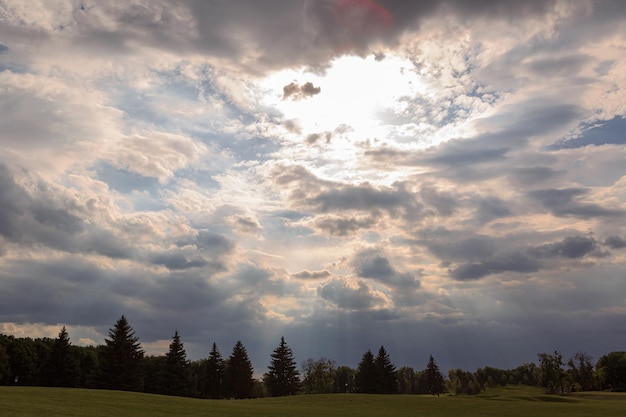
(507, 401)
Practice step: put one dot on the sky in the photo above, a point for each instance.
(438, 177)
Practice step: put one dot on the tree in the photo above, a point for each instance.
(121, 360)
(551, 372)
(434, 378)
(407, 380)
(387, 382)
(4, 365)
(282, 377)
(61, 367)
(463, 382)
(174, 375)
(612, 371)
(344, 379)
(581, 370)
(367, 374)
(239, 373)
(214, 374)
(318, 376)
(23, 361)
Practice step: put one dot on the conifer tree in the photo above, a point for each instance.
(121, 359)
(214, 375)
(239, 373)
(387, 382)
(61, 368)
(174, 375)
(283, 377)
(434, 378)
(367, 373)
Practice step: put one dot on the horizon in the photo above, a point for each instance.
(436, 177)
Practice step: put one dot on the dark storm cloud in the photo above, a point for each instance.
(280, 32)
(528, 259)
(312, 274)
(371, 264)
(533, 175)
(564, 203)
(294, 91)
(445, 203)
(615, 242)
(314, 137)
(366, 197)
(491, 208)
(177, 261)
(348, 297)
(41, 215)
(454, 246)
(344, 226)
(571, 247)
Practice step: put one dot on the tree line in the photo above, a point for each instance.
(121, 364)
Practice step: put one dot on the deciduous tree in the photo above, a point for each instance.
(551, 372)
(318, 376)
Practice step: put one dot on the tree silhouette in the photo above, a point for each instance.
(214, 374)
(121, 359)
(367, 373)
(61, 368)
(434, 378)
(387, 382)
(282, 377)
(174, 375)
(239, 373)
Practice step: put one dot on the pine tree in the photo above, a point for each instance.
(174, 375)
(387, 382)
(61, 368)
(214, 374)
(283, 377)
(367, 373)
(121, 360)
(434, 378)
(239, 373)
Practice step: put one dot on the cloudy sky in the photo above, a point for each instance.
(442, 177)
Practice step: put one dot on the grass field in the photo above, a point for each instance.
(507, 401)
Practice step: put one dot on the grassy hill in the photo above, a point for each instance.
(508, 401)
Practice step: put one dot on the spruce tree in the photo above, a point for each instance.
(283, 377)
(239, 373)
(434, 378)
(174, 375)
(367, 374)
(121, 359)
(61, 367)
(387, 382)
(214, 375)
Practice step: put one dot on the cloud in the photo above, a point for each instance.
(297, 92)
(342, 226)
(351, 295)
(312, 274)
(564, 202)
(529, 259)
(615, 242)
(372, 265)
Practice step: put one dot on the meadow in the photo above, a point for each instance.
(511, 401)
